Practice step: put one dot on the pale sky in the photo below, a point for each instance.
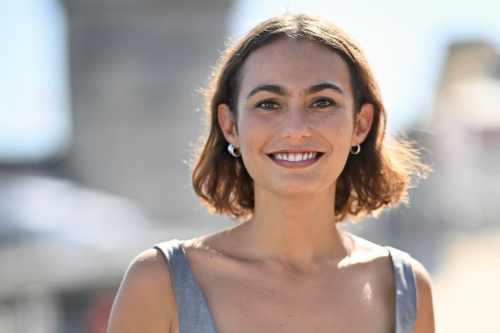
(34, 91)
(405, 41)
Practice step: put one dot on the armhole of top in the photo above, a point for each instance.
(192, 309)
(406, 291)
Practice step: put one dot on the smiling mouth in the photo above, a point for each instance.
(295, 157)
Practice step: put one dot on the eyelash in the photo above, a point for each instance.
(260, 104)
(329, 101)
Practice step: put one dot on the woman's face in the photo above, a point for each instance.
(296, 119)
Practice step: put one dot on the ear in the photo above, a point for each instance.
(363, 124)
(227, 124)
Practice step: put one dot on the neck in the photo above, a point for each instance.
(294, 230)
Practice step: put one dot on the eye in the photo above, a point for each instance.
(267, 105)
(323, 103)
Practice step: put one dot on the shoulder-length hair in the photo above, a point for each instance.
(377, 177)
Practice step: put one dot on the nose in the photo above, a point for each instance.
(296, 125)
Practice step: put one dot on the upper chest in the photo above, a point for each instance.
(254, 297)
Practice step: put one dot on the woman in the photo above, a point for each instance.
(296, 144)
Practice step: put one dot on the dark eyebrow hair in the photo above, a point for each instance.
(272, 88)
(322, 86)
(280, 90)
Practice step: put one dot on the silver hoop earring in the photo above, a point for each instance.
(233, 151)
(356, 152)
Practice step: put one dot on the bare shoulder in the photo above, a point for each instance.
(421, 275)
(364, 249)
(145, 301)
(217, 242)
(374, 259)
(425, 313)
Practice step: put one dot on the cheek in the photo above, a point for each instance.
(253, 132)
(336, 128)
(253, 128)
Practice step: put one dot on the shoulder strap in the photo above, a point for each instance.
(192, 308)
(406, 291)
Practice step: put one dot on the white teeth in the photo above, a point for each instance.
(295, 157)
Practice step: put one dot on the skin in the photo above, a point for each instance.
(287, 269)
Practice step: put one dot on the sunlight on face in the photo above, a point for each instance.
(295, 100)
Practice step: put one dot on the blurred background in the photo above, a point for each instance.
(100, 111)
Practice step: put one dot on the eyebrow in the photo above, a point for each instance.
(272, 88)
(322, 86)
(280, 90)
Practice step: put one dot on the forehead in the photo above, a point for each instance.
(295, 63)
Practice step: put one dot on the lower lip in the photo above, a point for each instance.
(297, 164)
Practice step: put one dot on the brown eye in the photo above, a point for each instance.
(323, 103)
(268, 105)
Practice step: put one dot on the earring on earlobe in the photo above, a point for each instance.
(233, 151)
(358, 149)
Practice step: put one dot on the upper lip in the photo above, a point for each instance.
(295, 150)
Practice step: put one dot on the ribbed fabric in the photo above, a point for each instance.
(194, 316)
(406, 291)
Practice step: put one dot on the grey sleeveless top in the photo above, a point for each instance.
(194, 316)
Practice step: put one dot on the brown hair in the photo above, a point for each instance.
(377, 177)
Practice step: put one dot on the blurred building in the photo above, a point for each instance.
(67, 233)
(136, 71)
(63, 251)
(467, 144)
(458, 204)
